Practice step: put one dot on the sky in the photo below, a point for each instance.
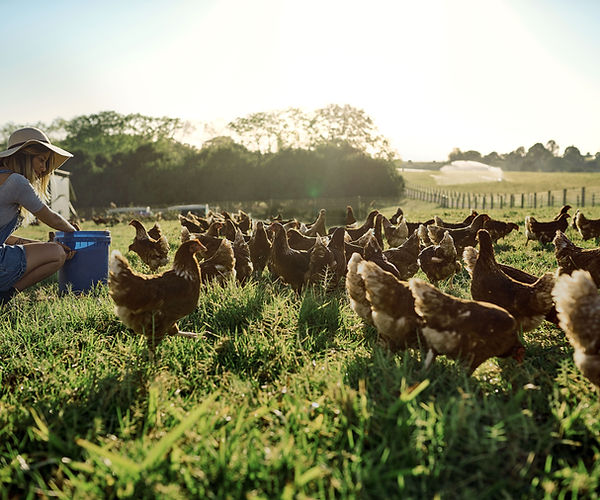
(434, 75)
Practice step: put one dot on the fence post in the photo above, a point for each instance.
(549, 196)
(534, 200)
(522, 200)
(564, 197)
(583, 196)
(512, 200)
(492, 200)
(501, 201)
(483, 203)
(593, 199)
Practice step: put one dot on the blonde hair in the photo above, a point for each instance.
(21, 163)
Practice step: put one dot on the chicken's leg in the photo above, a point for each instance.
(175, 332)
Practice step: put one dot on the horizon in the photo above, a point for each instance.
(433, 77)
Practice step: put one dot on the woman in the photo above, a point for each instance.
(25, 170)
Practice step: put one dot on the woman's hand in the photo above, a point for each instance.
(70, 253)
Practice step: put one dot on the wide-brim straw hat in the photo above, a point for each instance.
(27, 136)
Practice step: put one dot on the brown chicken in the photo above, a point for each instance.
(423, 235)
(373, 253)
(528, 303)
(241, 252)
(317, 228)
(155, 232)
(229, 229)
(220, 266)
(192, 224)
(350, 219)
(405, 257)
(260, 248)
(563, 210)
(151, 305)
(378, 230)
(395, 235)
(570, 257)
(211, 243)
(544, 231)
(357, 293)
(337, 247)
(588, 228)
(359, 231)
(392, 307)
(578, 306)
(439, 262)
(244, 222)
(321, 265)
(456, 225)
(214, 229)
(468, 330)
(399, 214)
(462, 237)
(413, 226)
(299, 241)
(290, 265)
(499, 229)
(154, 253)
(470, 256)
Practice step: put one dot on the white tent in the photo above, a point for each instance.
(463, 171)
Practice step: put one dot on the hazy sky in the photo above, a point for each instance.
(434, 75)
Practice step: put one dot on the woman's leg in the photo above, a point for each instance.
(43, 260)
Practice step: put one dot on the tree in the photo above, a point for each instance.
(493, 158)
(537, 158)
(292, 128)
(552, 147)
(573, 159)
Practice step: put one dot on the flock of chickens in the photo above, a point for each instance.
(376, 262)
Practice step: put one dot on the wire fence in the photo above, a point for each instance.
(577, 197)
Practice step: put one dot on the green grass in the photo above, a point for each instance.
(513, 182)
(283, 397)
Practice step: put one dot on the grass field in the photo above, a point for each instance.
(512, 183)
(284, 397)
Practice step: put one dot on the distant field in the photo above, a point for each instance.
(513, 182)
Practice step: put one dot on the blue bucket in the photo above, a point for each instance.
(90, 263)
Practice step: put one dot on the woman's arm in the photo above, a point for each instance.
(17, 240)
(54, 219)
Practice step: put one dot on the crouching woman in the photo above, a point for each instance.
(25, 170)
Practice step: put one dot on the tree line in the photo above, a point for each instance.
(136, 160)
(539, 157)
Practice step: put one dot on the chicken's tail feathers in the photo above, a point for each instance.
(355, 287)
(436, 233)
(117, 262)
(447, 243)
(185, 234)
(561, 241)
(379, 285)
(118, 267)
(428, 299)
(578, 309)
(469, 256)
(422, 233)
(528, 220)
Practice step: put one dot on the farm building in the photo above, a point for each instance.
(60, 193)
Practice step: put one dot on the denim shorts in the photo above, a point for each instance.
(12, 265)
